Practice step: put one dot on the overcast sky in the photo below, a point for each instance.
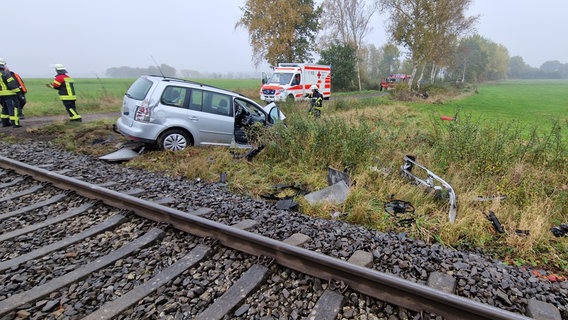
(89, 37)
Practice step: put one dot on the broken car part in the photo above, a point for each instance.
(285, 202)
(430, 182)
(249, 155)
(395, 207)
(494, 221)
(334, 176)
(334, 194)
(560, 231)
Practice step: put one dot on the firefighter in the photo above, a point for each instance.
(316, 103)
(9, 89)
(64, 84)
(21, 96)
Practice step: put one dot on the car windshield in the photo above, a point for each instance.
(280, 78)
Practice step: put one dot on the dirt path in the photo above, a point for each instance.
(30, 123)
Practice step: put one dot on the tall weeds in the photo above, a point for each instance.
(478, 158)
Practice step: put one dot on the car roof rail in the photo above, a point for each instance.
(195, 82)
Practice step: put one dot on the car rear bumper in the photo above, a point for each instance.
(139, 131)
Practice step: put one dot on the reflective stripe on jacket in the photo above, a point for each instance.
(8, 85)
(65, 85)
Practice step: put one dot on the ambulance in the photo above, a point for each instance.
(292, 81)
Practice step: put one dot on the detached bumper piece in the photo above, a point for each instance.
(431, 181)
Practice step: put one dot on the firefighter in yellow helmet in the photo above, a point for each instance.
(9, 88)
(65, 85)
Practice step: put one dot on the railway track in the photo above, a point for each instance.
(72, 249)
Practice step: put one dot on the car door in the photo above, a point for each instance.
(214, 117)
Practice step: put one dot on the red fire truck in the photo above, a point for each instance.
(392, 80)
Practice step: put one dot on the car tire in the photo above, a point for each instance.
(291, 98)
(174, 140)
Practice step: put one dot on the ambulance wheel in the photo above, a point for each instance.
(291, 97)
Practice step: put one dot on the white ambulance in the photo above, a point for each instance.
(293, 80)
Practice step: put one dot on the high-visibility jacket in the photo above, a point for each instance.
(8, 85)
(65, 85)
(21, 83)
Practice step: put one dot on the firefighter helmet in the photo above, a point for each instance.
(59, 67)
(2, 62)
(313, 87)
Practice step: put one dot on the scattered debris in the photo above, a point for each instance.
(560, 231)
(446, 118)
(395, 207)
(285, 202)
(494, 221)
(384, 170)
(223, 177)
(522, 232)
(249, 155)
(480, 198)
(334, 194)
(334, 176)
(406, 169)
(499, 228)
(123, 154)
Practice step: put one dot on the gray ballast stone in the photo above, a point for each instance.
(442, 281)
(542, 310)
(298, 239)
(245, 224)
(362, 258)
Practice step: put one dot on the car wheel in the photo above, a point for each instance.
(174, 140)
(291, 98)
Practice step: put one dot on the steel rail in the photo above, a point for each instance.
(385, 287)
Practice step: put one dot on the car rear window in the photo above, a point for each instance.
(139, 89)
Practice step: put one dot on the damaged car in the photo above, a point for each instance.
(174, 114)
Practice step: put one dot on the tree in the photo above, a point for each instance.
(552, 69)
(390, 62)
(518, 69)
(348, 22)
(479, 59)
(281, 30)
(498, 64)
(469, 60)
(342, 59)
(428, 29)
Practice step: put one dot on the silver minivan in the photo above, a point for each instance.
(175, 114)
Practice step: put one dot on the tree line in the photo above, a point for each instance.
(438, 39)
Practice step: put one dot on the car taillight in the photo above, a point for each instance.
(142, 114)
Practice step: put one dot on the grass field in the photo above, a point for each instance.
(510, 139)
(529, 102)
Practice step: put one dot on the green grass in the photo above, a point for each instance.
(528, 102)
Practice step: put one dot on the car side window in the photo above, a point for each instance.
(217, 103)
(250, 109)
(196, 100)
(174, 96)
